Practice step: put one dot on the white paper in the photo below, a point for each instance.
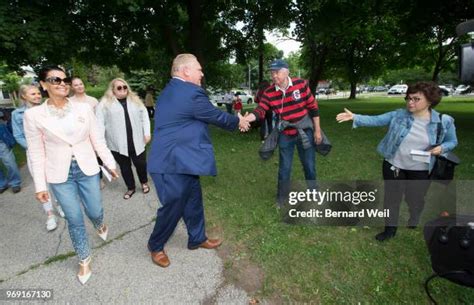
(106, 173)
(420, 155)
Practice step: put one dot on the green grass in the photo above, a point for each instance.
(327, 264)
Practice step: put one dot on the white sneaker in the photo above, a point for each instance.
(51, 223)
(60, 211)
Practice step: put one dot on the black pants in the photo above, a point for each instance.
(125, 164)
(412, 184)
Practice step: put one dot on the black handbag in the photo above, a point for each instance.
(444, 166)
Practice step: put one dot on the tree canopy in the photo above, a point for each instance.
(353, 40)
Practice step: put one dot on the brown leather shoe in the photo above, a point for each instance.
(160, 258)
(209, 244)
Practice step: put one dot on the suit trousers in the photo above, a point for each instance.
(411, 184)
(125, 164)
(181, 197)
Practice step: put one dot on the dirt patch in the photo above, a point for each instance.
(239, 270)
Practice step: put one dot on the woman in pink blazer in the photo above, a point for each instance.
(62, 139)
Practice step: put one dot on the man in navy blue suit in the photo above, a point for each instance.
(181, 151)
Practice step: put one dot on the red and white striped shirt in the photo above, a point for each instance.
(290, 105)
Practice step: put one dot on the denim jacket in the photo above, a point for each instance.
(17, 126)
(400, 122)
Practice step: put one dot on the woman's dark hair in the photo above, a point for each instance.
(44, 71)
(429, 89)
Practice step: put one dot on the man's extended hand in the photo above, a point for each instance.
(244, 123)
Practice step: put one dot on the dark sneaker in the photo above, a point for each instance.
(16, 189)
(388, 233)
(3, 189)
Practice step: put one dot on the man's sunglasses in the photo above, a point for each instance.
(57, 80)
(119, 88)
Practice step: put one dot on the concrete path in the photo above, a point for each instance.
(122, 269)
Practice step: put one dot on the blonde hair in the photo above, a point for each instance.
(109, 93)
(180, 61)
(22, 92)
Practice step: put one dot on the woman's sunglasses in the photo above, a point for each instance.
(57, 80)
(119, 88)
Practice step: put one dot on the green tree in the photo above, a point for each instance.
(11, 84)
(427, 33)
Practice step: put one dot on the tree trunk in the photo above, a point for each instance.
(260, 56)
(318, 55)
(169, 34)
(353, 90)
(194, 8)
(351, 72)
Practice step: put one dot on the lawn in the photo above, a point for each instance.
(326, 264)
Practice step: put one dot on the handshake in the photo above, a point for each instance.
(244, 121)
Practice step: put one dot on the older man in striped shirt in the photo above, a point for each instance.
(291, 100)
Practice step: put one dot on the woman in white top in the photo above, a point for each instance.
(80, 95)
(63, 138)
(124, 121)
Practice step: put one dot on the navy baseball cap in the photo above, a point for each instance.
(278, 64)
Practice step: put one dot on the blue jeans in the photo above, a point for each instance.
(308, 161)
(13, 178)
(80, 189)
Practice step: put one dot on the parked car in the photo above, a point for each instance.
(245, 97)
(463, 89)
(327, 91)
(380, 89)
(218, 98)
(398, 89)
(446, 90)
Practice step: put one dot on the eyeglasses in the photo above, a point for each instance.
(414, 99)
(119, 88)
(58, 80)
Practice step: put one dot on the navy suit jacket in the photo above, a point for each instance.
(181, 142)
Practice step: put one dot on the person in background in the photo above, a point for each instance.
(13, 178)
(411, 128)
(124, 121)
(150, 102)
(237, 104)
(30, 96)
(80, 95)
(79, 91)
(62, 139)
(228, 98)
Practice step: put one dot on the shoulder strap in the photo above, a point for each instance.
(440, 127)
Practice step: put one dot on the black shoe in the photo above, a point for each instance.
(388, 233)
(3, 189)
(16, 189)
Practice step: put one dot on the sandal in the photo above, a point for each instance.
(128, 194)
(145, 188)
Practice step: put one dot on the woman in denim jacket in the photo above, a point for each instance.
(413, 128)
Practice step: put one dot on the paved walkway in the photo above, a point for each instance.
(122, 269)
